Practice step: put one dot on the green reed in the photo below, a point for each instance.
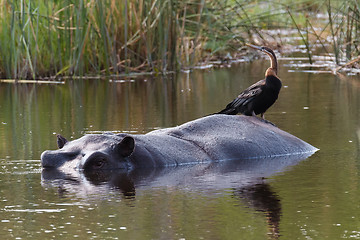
(48, 38)
(338, 33)
(103, 37)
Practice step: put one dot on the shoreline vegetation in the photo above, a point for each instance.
(49, 40)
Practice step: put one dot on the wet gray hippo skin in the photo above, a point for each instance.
(211, 138)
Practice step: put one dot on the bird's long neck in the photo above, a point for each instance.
(274, 64)
(272, 70)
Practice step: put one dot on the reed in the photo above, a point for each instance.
(53, 38)
(304, 39)
(103, 37)
(337, 34)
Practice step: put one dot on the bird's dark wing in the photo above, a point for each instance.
(244, 98)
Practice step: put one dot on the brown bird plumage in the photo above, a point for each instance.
(257, 98)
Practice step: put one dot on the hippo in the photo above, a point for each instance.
(212, 138)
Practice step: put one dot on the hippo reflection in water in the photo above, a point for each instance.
(208, 139)
(245, 180)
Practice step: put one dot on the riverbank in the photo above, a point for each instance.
(51, 40)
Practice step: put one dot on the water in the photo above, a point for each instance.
(312, 198)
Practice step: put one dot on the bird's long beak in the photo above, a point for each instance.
(253, 46)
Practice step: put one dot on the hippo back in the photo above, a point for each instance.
(224, 137)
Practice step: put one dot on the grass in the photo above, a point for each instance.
(102, 37)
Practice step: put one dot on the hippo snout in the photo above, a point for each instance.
(51, 159)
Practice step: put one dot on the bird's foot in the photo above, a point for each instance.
(266, 121)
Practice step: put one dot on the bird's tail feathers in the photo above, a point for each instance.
(228, 111)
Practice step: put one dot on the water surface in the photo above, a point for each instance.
(311, 198)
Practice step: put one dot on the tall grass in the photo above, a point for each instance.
(80, 37)
(338, 29)
(41, 38)
(49, 38)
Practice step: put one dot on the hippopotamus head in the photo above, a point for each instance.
(93, 151)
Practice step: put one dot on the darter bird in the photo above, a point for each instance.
(257, 98)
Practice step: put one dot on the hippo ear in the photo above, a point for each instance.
(126, 146)
(61, 141)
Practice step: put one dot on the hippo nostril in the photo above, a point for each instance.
(48, 160)
(56, 158)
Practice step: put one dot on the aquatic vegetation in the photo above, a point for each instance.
(42, 39)
(54, 38)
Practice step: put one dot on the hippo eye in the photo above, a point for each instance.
(98, 163)
(95, 161)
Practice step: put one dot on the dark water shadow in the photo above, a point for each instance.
(246, 179)
(262, 198)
